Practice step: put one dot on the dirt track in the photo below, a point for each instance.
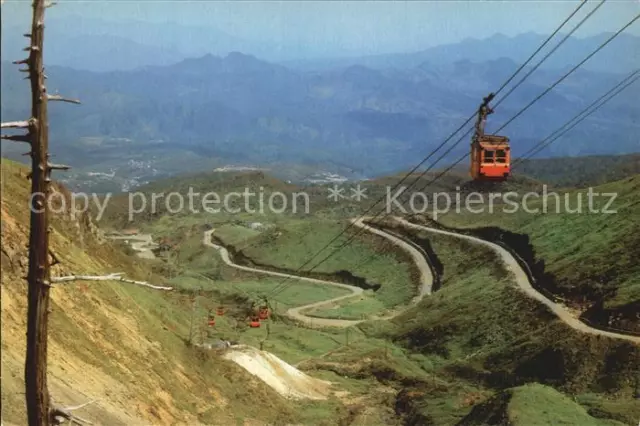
(426, 281)
(523, 283)
(426, 278)
(294, 312)
(143, 244)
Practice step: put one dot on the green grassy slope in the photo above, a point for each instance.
(532, 405)
(367, 257)
(581, 171)
(221, 183)
(286, 242)
(480, 332)
(536, 404)
(589, 258)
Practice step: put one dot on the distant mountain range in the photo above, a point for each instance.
(100, 45)
(243, 110)
(621, 55)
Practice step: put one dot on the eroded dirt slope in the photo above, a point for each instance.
(115, 343)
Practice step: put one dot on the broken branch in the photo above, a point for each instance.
(62, 99)
(15, 125)
(110, 277)
(77, 407)
(16, 138)
(59, 415)
(58, 166)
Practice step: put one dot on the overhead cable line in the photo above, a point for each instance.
(558, 81)
(564, 39)
(599, 48)
(544, 43)
(363, 215)
(594, 106)
(556, 134)
(468, 120)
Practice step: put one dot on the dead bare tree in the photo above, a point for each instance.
(39, 408)
(38, 277)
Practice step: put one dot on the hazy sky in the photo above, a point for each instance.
(383, 26)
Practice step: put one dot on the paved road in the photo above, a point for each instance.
(426, 281)
(522, 280)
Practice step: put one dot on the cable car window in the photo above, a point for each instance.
(488, 156)
(501, 156)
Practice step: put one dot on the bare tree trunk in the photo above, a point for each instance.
(38, 276)
(40, 411)
(37, 393)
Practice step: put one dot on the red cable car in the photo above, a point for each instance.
(490, 154)
(220, 311)
(211, 321)
(263, 313)
(255, 322)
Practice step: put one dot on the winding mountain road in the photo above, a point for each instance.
(426, 280)
(294, 312)
(141, 243)
(426, 276)
(522, 280)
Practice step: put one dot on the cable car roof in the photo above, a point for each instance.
(490, 141)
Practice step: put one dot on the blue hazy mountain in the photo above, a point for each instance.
(241, 108)
(621, 55)
(100, 45)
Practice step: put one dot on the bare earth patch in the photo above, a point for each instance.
(284, 378)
